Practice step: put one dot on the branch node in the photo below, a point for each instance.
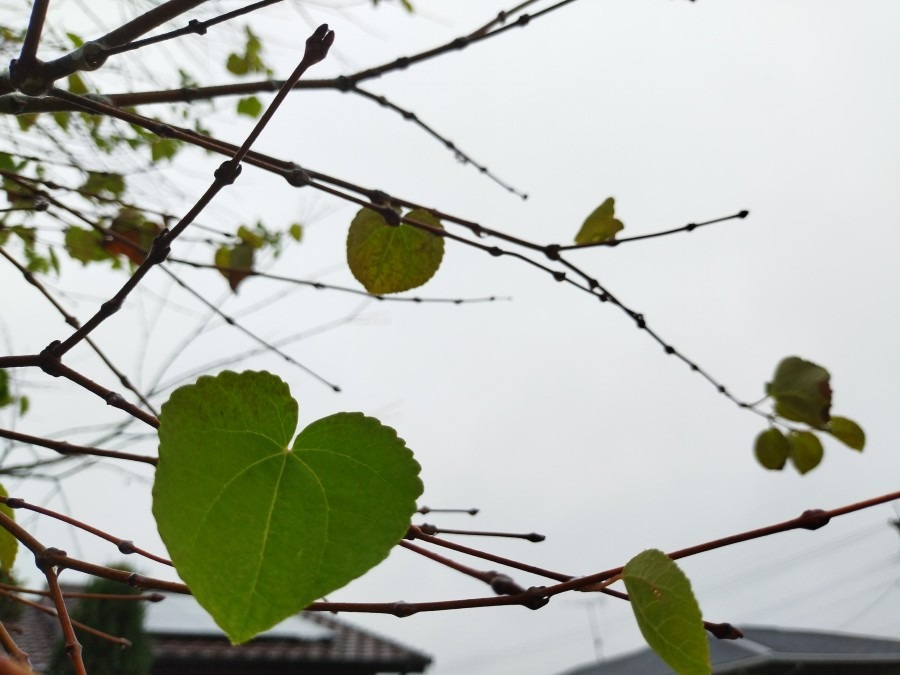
(552, 251)
(402, 609)
(723, 631)
(460, 43)
(114, 399)
(298, 177)
(127, 547)
(379, 197)
(535, 602)
(495, 251)
(345, 84)
(813, 519)
(44, 559)
(227, 172)
(93, 55)
(27, 78)
(501, 584)
(15, 502)
(559, 276)
(390, 216)
(159, 249)
(197, 27)
(318, 44)
(743, 214)
(49, 359)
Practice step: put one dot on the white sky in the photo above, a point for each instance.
(551, 412)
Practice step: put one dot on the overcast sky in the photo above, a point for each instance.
(550, 412)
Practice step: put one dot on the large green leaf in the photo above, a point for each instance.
(390, 259)
(601, 225)
(9, 545)
(667, 612)
(258, 529)
(801, 391)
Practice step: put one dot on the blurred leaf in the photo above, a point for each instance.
(5, 394)
(667, 612)
(9, 545)
(77, 85)
(296, 231)
(601, 225)
(806, 450)
(62, 119)
(24, 405)
(250, 106)
(251, 60)
(130, 235)
(84, 245)
(76, 41)
(772, 449)
(285, 523)
(801, 392)
(388, 259)
(847, 432)
(26, 121)
(252, 239)
(164, 148)
(231, 262)
(101, 182)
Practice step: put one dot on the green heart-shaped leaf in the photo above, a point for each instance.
(388, 259)
(257, 529)
(667, 612)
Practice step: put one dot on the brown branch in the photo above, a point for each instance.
(73, 322)
(66, 448)
(125, 546)
(11, 648)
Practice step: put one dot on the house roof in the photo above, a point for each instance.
(306, 643)
(769, 650)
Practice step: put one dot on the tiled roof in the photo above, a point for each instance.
(348, 645)
(345, 649)
(767, 650)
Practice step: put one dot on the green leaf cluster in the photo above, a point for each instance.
(250, 61)
(8, 398)
(801, 392)
(235, 261)
(258, 526)
(393, 258)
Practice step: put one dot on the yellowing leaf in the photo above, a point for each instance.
(389, 259)
(601, 225)
(235, 263)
